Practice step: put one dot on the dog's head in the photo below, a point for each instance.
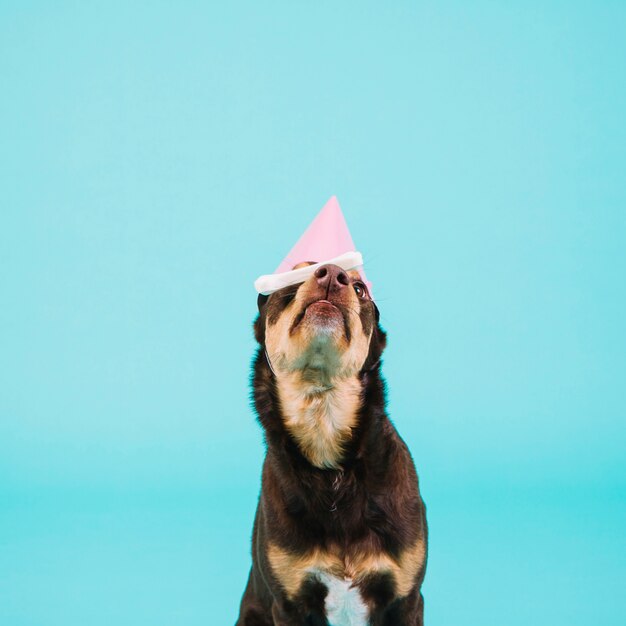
(325, 328)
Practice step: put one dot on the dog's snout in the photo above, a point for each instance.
(331, 277)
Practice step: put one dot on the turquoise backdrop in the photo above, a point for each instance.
(155, 157)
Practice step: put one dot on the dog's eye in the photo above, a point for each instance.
(360, 290)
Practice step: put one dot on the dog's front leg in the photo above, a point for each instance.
(414, 610)
(292, 616)
(255, 605)
(409, 611)
(418, 611)
(286, 614)
(406, 611)
(307, 607)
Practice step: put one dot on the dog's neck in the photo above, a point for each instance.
(319, 412)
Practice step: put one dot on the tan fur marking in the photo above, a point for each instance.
(316, 368)
(354, 274)
(291, 569)
(411, 562)
(404, 569)
(320, 420)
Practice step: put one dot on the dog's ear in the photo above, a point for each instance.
(377, 345)
(259, 322)
(381, 337)
(259, 329)
(376, 313)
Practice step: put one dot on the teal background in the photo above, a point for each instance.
(155, 158)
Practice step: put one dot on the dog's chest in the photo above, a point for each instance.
(344, 605)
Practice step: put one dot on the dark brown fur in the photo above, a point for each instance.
(366, 515)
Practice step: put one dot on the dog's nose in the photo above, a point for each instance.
(331, 277)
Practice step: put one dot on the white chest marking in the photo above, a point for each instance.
(344, 604)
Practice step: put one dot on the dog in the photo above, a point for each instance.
(340, 534)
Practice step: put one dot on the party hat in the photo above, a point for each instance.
(326, 240)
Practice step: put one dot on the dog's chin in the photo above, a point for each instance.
(321, 334)
(324, 318)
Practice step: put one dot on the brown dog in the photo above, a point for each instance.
(340, 532)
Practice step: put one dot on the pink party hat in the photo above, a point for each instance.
(326, 240)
